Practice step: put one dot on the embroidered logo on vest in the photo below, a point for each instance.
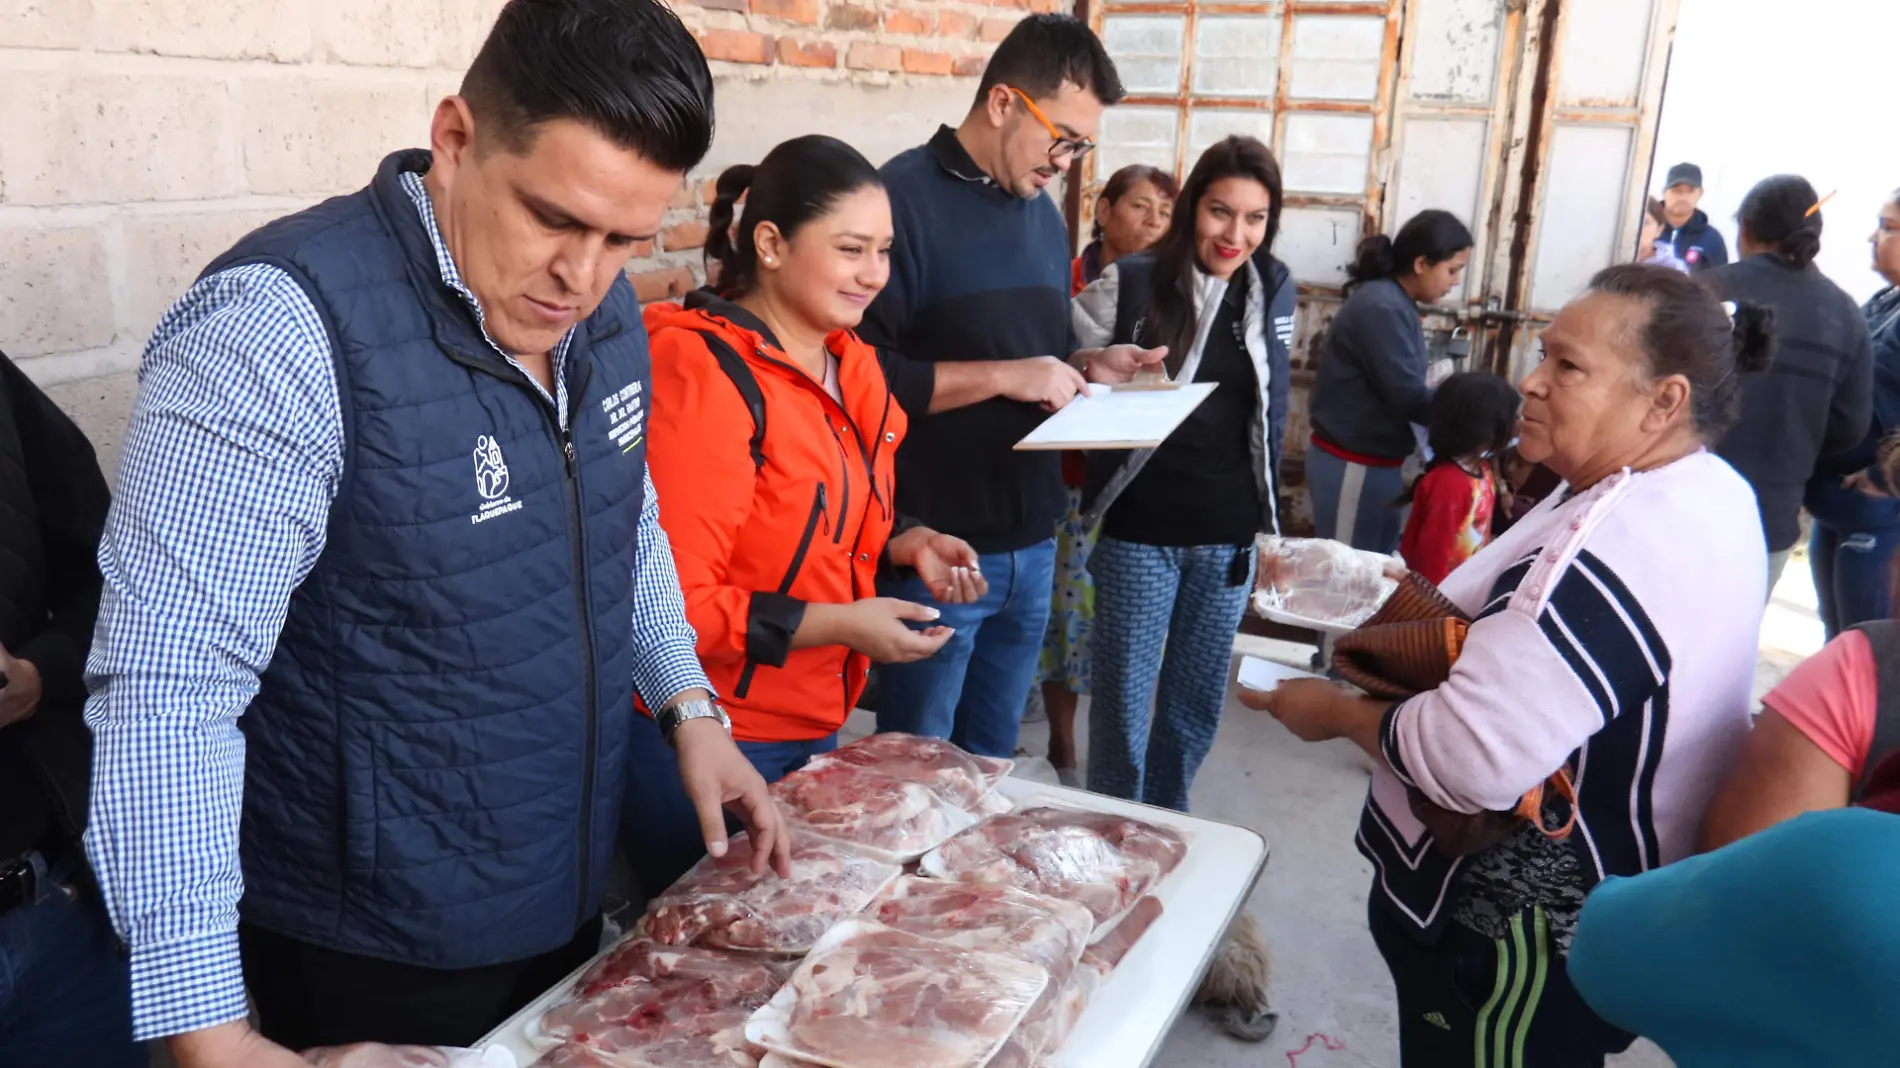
(491, 481)
(626, 417)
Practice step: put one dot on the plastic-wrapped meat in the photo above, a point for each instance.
(991, 919)
(655, 1006)
(895, 819)
(1106, 954)
(720, 903)
(1320, 580)
(1047, 1027)
(947, 771)
(1098, 860)
(871, 997)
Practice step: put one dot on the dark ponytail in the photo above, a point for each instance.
(1691, 333)
(1783, 213)
(1435, 235)
(796, 182)
(733, 183)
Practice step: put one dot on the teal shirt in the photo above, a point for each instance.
(1780, 950)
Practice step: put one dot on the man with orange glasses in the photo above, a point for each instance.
(979, 271)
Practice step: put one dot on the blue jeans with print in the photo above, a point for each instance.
(973, 690)
(65, 984)
(659, 826)
(1165, 619)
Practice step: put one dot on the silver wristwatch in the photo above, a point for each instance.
(670, 717)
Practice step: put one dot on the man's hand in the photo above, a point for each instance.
(21, 697)
(1864, 483)
(877, 627)
(1118, 364)
(1042, 380)
(718, 777)
(947, 565)
(230, 1045)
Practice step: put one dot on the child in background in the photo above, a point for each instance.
(1474, 417)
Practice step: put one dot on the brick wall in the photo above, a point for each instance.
(139, 138)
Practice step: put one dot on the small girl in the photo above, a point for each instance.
(1474, 418)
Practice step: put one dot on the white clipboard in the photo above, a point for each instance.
(1118, 418)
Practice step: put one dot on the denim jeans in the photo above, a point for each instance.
(1853, 573)
(659, 826)
(973, 690)
(65, 985)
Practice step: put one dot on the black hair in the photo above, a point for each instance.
(1170, 319)
(1436, 235)
(1126, 179)
(1474, 413)
(1689, 332)
(627, 69)
(1043, 53)
(1784, 214)
(796, 182)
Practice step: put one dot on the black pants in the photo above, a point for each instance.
(1476, 1002)
(310, 996)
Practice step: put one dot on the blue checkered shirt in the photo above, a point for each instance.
(225, 486)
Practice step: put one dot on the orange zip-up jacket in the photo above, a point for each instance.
(754, 545)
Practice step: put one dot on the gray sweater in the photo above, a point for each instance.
(1371, 386)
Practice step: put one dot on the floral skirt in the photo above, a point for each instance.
(1065, 648)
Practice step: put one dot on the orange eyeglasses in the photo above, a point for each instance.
(1073, 147)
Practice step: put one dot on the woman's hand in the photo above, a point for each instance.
(1307, 707)
(879, 628)
(947, 565)
(1118, 364)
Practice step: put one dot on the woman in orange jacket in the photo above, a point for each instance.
(774, 438)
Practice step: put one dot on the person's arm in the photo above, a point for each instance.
(229, 468)
(1852, 409)
(1515, 708)
(1390, 348)
(70, 496)
(1809, 745)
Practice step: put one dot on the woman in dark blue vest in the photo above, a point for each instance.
(1856, 519)
(1174, 562)
(1370, 389)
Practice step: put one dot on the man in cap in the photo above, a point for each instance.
(1686, 230)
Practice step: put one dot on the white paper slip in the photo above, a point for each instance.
(1118, 418)
(1258, 674)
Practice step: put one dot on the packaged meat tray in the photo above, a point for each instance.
(959, 778)
(891, 819)
(647, 1005)
(1320, 584)
(990, 919)
(720, 904)
(1101, 861)
(871, 997)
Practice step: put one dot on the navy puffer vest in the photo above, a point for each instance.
(435, 758)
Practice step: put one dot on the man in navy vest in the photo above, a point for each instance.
(375, 621)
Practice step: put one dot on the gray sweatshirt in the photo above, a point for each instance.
(1371, 387)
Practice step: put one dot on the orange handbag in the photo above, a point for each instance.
(1408, 647)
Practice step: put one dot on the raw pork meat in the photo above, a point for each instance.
(991, 919)
(1098, 860)
(1324, 581)
(846, 803)
(871, 997)
(1105, 955)
(377, 1055)
(720, 903)
(1049, 1024)
(659, 1007)
(952, 774)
